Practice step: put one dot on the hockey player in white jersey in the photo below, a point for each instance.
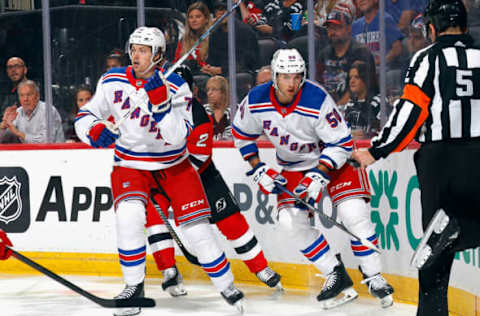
(313, 144)
(150, 145)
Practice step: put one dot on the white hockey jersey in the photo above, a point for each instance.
(308, 132)
(143, 143)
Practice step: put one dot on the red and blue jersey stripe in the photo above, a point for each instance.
(237, 133)
(261, 107)
(306, 111)
(217, 267)
(115, 76)
(82, 113)
(359, 250)
(130, 258)
(249, 151)
(346, 143)
(131, 195)
(167, 157)
(316, 249)
(194, 216)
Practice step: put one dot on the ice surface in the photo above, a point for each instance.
(40, 296)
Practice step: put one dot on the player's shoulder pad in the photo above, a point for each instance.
(117, 70)
(176, 80)
(313, 95)
(260, 93)
(199, 114)
(117, 74)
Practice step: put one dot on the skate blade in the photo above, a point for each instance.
(278, 293)
(424, 251)
(348, 295)
(127, 311)
(279, 287)
(387, 301)
(421, 256)
(177, 290)
(239, 306)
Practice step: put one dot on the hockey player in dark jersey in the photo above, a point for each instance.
(225, 210)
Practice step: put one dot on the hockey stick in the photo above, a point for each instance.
(181, 59)
(109, 303)
(367, 243)
(191, 258)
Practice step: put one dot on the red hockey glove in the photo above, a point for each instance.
(5, 253)
(311, 185)
(102, 134)
(266, 178)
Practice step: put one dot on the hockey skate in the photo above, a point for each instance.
(270, 278)
(234, 297)
(173, 282)
(379, 288)
(337, 282)
(440, 234)
(128, 292)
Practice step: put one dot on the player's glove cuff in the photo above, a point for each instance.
(158, 91)
(312, 184)
(267, 178)
(102, 134)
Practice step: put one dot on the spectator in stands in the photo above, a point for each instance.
(246, 47)
(218, 109)
(473, 19)
(276, 19)
(16, 72)
(324, 7)
(402, 12)
(264, 75)
(335, 58)
(250, 12)
(366, 30)
(28, 123)
(362, 111)
(416, 40)
(82, 96)
(115, 59)
(411, 44)
(198, 21)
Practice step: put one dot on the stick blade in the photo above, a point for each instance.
(370, 245)
(132, 302)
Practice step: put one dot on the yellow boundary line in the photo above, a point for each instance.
(293, 275)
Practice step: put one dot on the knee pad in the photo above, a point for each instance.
(214, 262)
(130, 224)
(296, 224)
(200, 236)
(355, 215)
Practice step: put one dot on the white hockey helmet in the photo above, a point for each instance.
(287, 61)
(148, 36)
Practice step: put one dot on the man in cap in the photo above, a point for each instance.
(335, 59)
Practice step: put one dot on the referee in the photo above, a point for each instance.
(440, 107)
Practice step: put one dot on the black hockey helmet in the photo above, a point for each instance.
(185, 72)
(445, 13)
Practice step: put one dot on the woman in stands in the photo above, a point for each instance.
(198, 21)
(362, 111)
(82, 96)
(217, 107)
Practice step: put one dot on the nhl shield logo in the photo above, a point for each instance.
(10, 201)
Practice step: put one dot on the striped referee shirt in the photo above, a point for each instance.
(441, 97)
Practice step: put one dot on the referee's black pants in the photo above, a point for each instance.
(449, 177)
